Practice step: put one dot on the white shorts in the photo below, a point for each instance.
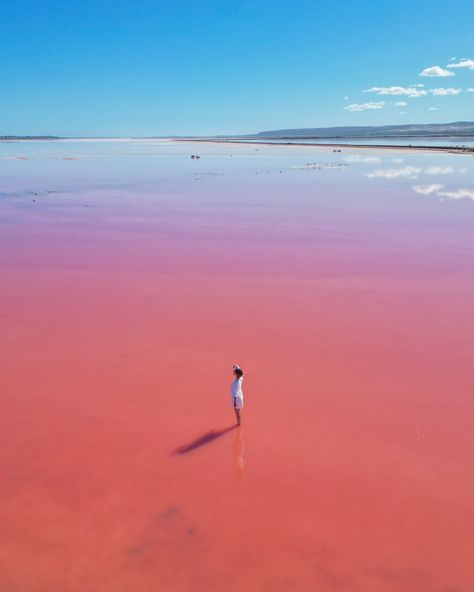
(237, 402)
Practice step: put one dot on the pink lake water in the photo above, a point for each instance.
(133, 277)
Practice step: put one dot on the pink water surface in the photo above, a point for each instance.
(131, 284)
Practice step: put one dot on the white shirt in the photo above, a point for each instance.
(236, 388)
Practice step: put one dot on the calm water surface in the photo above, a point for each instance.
(133, 277)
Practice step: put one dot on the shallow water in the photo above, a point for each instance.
(133, 277)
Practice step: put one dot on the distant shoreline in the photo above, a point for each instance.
(397, 147)
(320, 143)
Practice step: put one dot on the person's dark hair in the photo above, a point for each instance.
(238, 372)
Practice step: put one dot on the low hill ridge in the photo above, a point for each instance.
(457, 128)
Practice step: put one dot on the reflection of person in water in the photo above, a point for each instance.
(236, 392)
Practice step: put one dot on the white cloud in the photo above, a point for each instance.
(401, 104)
(408, 171)
(436, 71)
(432, 108)
(427, 189)
(410, 91)
(443, 92)
(458, 194)
(438, 170)
(463, 63)
(346, 98)
(470, 90)
(365, 106)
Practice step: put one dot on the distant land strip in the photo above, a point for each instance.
(12, 138)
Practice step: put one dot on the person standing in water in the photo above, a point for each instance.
(236, 392)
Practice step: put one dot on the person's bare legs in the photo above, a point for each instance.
(238, 415)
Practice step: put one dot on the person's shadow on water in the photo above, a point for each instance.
(202, 440)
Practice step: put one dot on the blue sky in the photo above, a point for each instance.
(115, 68)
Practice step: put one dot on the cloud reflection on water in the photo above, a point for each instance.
(439, 170)
(462, 193)
(406, 171)
(427, 189)
(435, 188)
(409, 172)
(356, 158)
